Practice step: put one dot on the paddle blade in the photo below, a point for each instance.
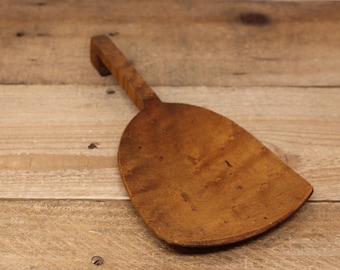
(198, 179)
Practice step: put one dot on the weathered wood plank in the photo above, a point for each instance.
(174, 43)
(45, 132)
(66, 234)
(46, 128)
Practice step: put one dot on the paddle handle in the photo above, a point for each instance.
(108, 59)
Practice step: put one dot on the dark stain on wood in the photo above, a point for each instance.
(185, 197)
(112, 34)
(228, 163)
(40, 4)
(20, 34)
(43, 35)
(253, 18)
(110, 91)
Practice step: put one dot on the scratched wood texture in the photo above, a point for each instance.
(65, 235)
(174, 42)
(271, 66)
(46, 131)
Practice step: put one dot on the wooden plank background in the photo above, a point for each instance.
(271, 66)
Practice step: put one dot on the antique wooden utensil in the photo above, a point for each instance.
(196, 177)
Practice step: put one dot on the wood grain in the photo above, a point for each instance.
(301, 125)
(53, 105)
(66, 234)
(174, 43)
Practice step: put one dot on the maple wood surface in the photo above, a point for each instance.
(273, 67)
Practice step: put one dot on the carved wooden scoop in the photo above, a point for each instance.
(196, 177)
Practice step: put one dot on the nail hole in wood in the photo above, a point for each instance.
(97, 260)
(93, 145)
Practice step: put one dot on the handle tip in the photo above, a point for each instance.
(94, 54)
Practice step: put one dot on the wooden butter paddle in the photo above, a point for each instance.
(195, 177)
